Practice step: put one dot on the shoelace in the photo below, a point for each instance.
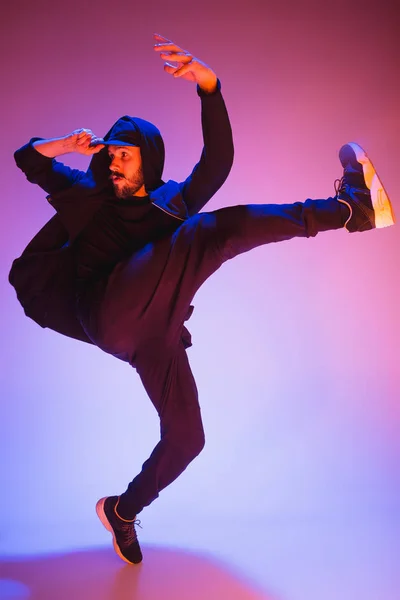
(129, 532)
(339, 185)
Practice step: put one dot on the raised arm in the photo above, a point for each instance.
(217, 156)
(37, 159)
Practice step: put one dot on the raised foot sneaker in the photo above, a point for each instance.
(125, 540)
(362, 191)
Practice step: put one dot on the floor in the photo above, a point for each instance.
(267, 559)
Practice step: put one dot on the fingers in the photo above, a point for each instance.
(91, 146)
(95, 141)
(179, 70)
(83, 137)
(81, 132)
(171, 47)
(167, 46)
(161, 39)
(170, 68)
(181, 57)
(95, 149)
(171, 52)
(85, 142)
(182, 70)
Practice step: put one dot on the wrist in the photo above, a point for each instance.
(208, 90)
(209, 85)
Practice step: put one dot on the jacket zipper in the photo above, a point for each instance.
(168, 213)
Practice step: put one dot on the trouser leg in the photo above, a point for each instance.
(202, 244)
(241, 228)
(168, 380)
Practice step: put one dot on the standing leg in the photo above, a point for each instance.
(167, 377)
(168, 380)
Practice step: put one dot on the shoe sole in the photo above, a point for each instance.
(103, 518)
(382, 207)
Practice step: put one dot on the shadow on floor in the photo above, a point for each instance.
(100, 575)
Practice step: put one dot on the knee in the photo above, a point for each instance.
(196, 444)
(192, 443)
(188, 441)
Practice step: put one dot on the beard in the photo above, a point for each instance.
(130, 185)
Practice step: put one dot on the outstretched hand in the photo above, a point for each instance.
(188, 67)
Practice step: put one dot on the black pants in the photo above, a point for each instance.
(140, 318)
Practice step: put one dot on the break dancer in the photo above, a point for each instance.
(119, 263)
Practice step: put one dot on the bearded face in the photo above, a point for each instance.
(126, 171)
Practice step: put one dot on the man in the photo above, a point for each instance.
(121, 261)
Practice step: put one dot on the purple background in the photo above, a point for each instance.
(300, 393)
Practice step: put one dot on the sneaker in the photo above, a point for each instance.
(125, 540)
(362, 191)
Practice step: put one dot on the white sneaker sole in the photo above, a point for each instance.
(102, 516)
(384, 215)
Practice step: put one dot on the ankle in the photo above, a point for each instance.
(122, 517)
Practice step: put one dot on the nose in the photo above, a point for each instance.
(114, 164)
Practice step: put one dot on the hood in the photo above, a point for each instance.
(147, 137)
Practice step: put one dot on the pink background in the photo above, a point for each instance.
(300, 396)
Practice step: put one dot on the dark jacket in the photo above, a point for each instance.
(44, 275)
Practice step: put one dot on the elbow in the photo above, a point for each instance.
(22, 155)
(18, 156)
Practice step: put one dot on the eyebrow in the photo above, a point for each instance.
(118, 148)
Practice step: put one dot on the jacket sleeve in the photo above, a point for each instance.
(217, 156)
(51, 175)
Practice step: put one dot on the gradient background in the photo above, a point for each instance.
(298, 485)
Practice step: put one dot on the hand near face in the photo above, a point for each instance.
(188, 66)
(83, 141)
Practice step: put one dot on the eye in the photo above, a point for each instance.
(124, 154)
(111, 156)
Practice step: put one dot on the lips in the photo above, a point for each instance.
(117, 177)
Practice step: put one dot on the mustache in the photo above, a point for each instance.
(116, 174)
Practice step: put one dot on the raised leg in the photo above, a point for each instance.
(150, 293)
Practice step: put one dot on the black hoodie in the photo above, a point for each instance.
(44, 275)
(143, 134)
